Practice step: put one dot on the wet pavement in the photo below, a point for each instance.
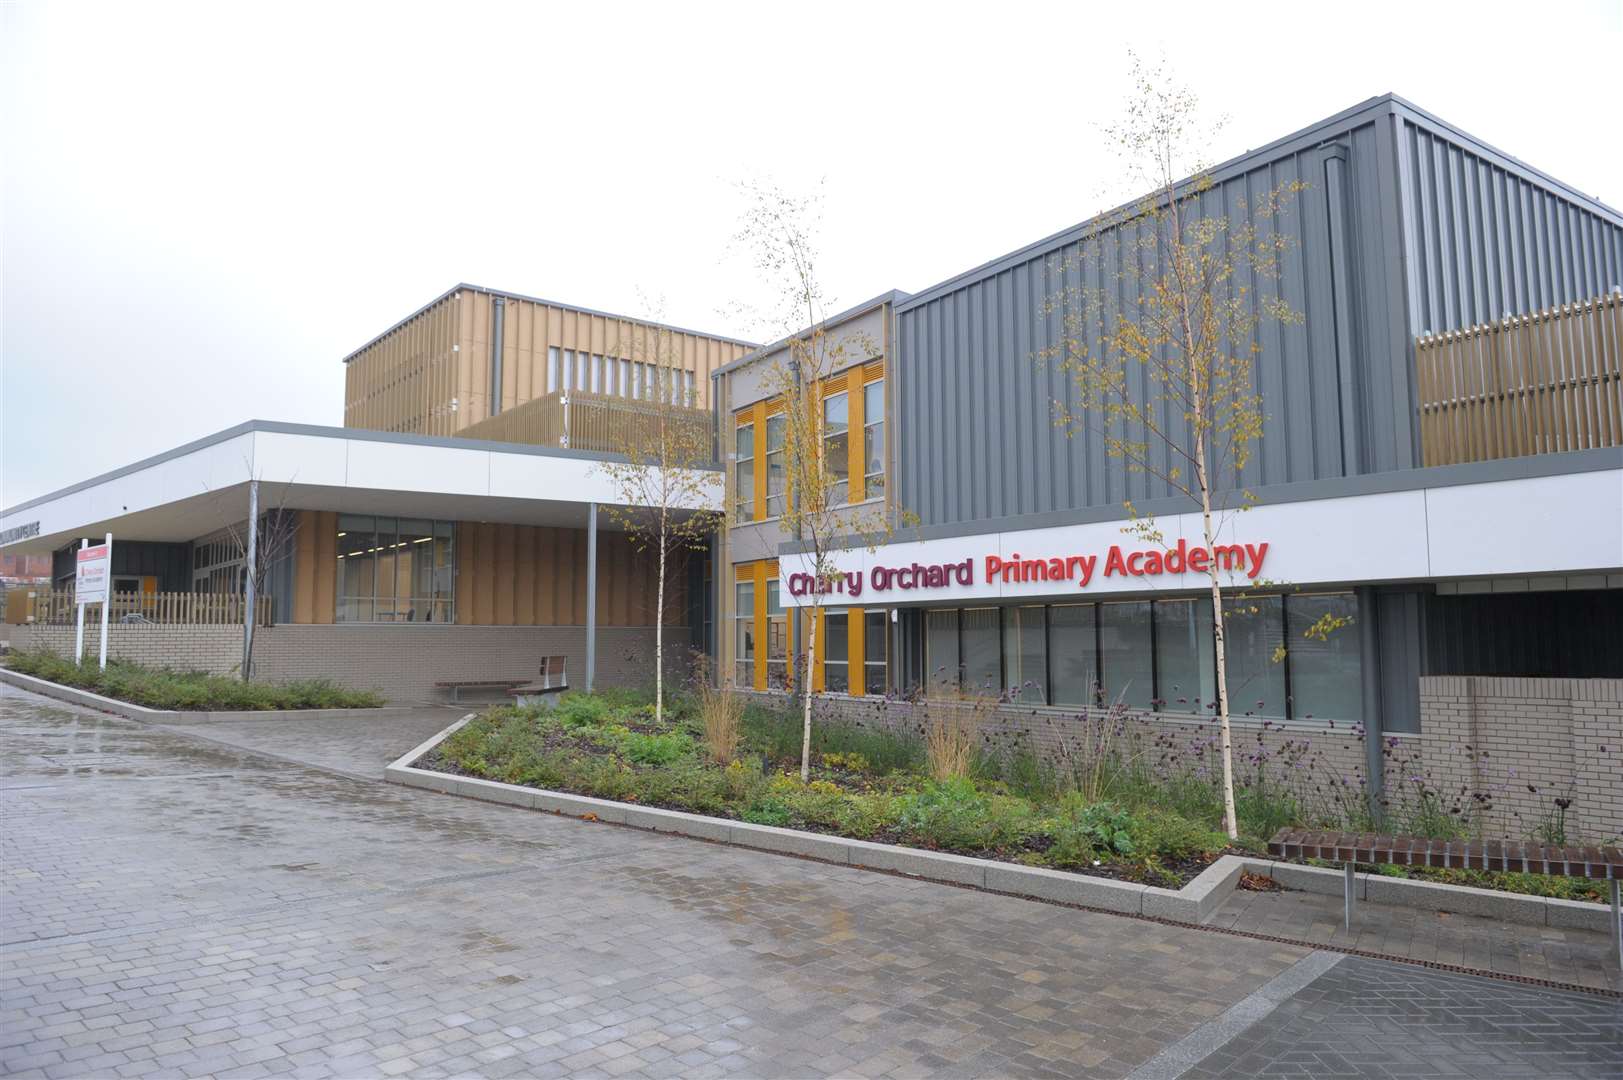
(359, 746)
(173, 906)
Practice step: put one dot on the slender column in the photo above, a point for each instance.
(1369, 658)
(591, 597)
(79, 623)
(106, 601)
(250, 587)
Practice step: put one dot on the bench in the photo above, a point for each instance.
(456, 687)
(553, 681)
(1594, 863)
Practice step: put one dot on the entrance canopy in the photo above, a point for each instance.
(202, 486)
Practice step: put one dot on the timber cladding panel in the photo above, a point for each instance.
(531, 575)
(431, 374)
(315, 566)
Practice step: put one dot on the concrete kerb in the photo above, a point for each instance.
(141, 713)
(1194, 903)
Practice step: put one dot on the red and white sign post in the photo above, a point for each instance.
(92, 584)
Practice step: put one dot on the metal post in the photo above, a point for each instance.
(591, 597)
(250, 587)
(1617, 922)
(106, 601)
(1369, 659)
(1352, 885)
(79, 625)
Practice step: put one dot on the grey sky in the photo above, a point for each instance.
(205, 207)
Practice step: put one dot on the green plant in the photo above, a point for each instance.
(163, 688)
(722, 710)
(953, 814)
(952, 734)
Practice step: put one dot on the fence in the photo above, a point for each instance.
(582, 421)
(1530, 384)
(56, 607)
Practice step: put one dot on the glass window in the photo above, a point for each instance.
(744, 631)
(1186, 664)
(1254, 629)
(744, 474)
(1124, 647)
(941, 663)
(1025, 654)
(395, 569)
(623, 387)
(690, 390)
(1074, 654)
(567, 377)
(876, 649)
(777, 478)
(777, 638)
(837, 651)
(837, 446)
(552, 369)
(982, 635)
(1325, 657)
(873, 439)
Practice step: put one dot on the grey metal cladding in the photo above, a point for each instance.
(1418, 227)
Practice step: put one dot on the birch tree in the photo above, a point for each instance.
(779, 232)
(667, 477)
(1160, 333)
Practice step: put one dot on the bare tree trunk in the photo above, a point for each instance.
(805, 731)
(659, 636)
(1230, 824)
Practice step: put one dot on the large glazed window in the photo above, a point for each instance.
(837, 446)
(1186, 660)
(1128, 675)
(982, 635)
(777, 638)
(744, 474)
(876, 649)
(836, 651)
(1325, 657)
(777, 477)
(744, 634)
(1253, 632)
(395, 569)
(1074, 657)
(873, 439)
(941, 662)
(1025, 654)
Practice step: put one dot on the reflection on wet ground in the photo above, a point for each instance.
(170, 906)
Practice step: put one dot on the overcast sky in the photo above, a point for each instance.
(206, 207)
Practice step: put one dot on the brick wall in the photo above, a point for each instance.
(402, 662)
(1336, 752)
(1561, 738)
(216, 649)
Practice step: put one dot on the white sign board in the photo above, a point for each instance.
(94, 575)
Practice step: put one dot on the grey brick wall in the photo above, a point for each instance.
(1527, 742)
(403, 662)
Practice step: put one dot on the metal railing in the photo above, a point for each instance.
(1531, 384)
(56, 607)
(578, 420)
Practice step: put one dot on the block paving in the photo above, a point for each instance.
(179, 907)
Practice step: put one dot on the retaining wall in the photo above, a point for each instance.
(401, 661)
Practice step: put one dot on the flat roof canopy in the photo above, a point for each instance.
(203, 486)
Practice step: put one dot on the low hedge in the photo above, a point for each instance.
(168, 689)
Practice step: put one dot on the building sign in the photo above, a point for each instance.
(93, 575)
(19, 532)
(1055, 571)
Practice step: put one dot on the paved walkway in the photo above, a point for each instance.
(171, 906)
(358, 746)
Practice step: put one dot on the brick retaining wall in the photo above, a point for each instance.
(400, 661)
(1562, 737)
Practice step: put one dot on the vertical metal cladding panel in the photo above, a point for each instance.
(977, 434)
(1488, 239)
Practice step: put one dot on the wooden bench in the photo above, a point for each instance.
(553, 681)
(1510, 856)
(456, 687)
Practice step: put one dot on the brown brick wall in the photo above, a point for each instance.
(1561, 738)
(401, 662)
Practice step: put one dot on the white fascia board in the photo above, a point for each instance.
(1569, 522)
(334, 462)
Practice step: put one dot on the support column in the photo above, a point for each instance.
(250, 586)
(591, 597)
(1369, 659)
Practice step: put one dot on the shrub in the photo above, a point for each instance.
(953, 814)
(952, 735)
(164, 688)
(722, 710)
(776, 732)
